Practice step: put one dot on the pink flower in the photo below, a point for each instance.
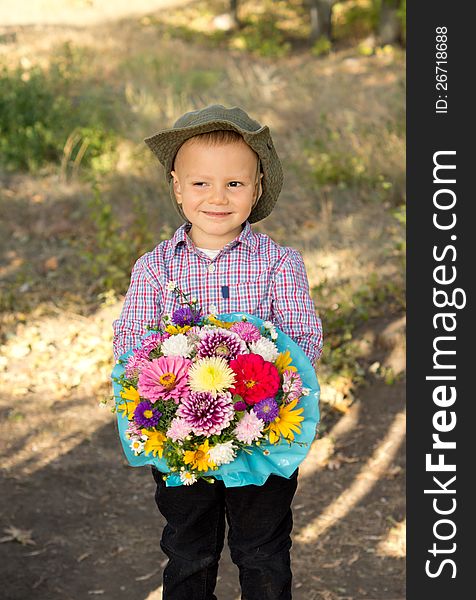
(135, 363)
(165, 377)
(249, 428)
(292, 385)
(247, 331)
(133, 430)
(178, 429)
(151, 342)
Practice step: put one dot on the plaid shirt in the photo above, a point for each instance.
(251, 274)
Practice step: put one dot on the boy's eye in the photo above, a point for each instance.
(202, 183)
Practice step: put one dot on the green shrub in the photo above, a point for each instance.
(30, 111)
(261, 35)
(43, 111)
(402, 13)
(356, 19)
(321, 47)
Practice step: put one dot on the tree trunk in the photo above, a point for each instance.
(321, 19)
(234, 12)
(389, 27)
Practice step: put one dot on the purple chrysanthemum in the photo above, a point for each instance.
(240, 406)
(185, 316)
(246, 331)
(222, 343)
(145, 415)
(135, 362)
(206, 414)
(267, 410)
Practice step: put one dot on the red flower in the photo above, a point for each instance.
(256, 378)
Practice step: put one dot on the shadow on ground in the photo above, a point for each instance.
(96, 528)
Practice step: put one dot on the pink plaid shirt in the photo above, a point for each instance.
(251, 274)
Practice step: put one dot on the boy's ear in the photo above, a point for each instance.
(177, 189)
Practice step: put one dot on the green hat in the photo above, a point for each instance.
(166, 143)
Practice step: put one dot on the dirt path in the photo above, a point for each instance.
(77, 12)
(96, 528)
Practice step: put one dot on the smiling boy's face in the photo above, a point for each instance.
(217, 186)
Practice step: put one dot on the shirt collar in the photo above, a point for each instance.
(247, 237)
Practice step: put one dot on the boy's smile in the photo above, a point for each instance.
(217, 186)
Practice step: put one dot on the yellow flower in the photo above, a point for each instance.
(210, 374)
(131, 397)
(283, 362)
(154, 443)
(218, 323)
(200, 458)
(286, 423)
(167, 380)
(174, 329)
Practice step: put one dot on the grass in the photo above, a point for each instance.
(345, 307)
(111, 248)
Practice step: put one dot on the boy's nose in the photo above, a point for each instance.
(219, 196)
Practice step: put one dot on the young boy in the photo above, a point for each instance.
(224, 174)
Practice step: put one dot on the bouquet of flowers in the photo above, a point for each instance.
(226, 397)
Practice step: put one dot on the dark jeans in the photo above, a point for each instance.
(260, 523)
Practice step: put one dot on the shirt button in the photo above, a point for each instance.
(211, 268)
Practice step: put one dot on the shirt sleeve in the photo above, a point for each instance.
(292, 306)
(141, 308)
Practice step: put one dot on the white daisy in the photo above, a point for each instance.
(264, 348)
(188, 478)
(222, 454)
(137, 445)
(177, 345)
